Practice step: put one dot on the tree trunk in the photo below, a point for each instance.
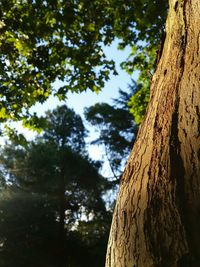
(156, 222)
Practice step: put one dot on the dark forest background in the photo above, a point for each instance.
(55, 205)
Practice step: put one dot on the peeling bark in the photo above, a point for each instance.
(156, 222)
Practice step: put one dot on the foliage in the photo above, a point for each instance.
(28, 229)
(45, 41)
(138, 102)
(47, 178)
(150, 28)
(65, 128)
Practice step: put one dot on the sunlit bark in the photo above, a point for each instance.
(156, 222)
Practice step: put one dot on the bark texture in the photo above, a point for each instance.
(156, 222)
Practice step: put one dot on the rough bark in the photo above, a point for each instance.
(156, 222)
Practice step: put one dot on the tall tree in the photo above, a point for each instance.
(51, 203)
(116, 128)
(157, 215)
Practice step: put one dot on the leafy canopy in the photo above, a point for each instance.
(45, 41)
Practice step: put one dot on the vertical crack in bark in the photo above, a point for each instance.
(176, 162)
(198, 118)
(178, 175)
(185, 33)
(178, 168)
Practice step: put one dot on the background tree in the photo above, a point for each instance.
(50, 206)
(28, 229)
(116, 127)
